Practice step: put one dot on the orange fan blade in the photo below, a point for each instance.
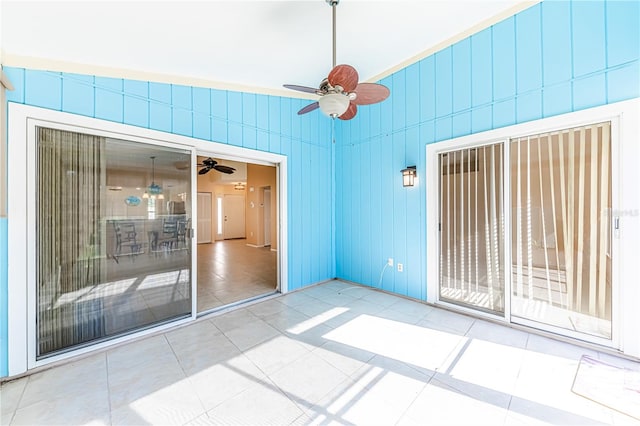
(309, 108)
(350, 112)
(370, 93)
(344, 76)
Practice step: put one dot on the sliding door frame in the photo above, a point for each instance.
(624, 136)
(435, 150)
(22, 122)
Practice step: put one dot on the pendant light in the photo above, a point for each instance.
(154, 191)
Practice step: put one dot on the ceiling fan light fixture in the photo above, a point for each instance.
(334, 104)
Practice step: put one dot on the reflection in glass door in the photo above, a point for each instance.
(472, 228)
(561, 230)
(113, 246)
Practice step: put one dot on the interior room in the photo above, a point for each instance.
(237, 237)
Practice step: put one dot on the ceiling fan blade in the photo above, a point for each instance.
(350, 112)
(345, 76)
(309, 108)
(301, 88)
(370, 93)
(224, 169)
(204, 171)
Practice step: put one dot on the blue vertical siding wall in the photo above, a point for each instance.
(552, 58)
(260, 122)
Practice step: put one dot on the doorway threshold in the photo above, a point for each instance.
(239, 304)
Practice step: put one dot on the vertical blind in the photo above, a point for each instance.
(561, 203)
(472, 227)
(68, 237)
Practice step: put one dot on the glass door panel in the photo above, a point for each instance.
(472, 228)
(561, 232)
(113, 248)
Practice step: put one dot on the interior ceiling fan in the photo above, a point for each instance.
(340, 93)
(209, 164)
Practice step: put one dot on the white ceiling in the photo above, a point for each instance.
(257, 44)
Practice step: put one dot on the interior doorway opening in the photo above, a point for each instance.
(238, 258)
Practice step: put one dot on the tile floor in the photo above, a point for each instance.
(230, 271)
(332, 353)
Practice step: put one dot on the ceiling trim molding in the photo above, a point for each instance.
(456, 38)
(44, 64)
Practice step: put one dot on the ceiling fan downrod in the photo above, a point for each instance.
(333, 4)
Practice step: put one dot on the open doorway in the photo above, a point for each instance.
(237, 253)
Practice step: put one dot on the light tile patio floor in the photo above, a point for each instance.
(332, 353)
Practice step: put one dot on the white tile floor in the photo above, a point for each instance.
(333, 353)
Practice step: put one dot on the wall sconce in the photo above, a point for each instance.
(409, 175)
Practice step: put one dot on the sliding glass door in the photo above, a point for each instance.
(561, 230)
(113, 246)
(558, 243)
(472, 228)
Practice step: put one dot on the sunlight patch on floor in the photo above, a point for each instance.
(317, 320)
(419, 346)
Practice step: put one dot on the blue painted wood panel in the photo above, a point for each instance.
(16, 77)
(444, 83)
(78, 94)
(109, 99)
(529, 50)
(623, 32)
(504, 59)
(399, 102)
(160, 107)
(182, 110)
(219, 131)
(412, 83)
(201, 113)
(461, 75)
(427, 78)
(481, 68)
(588, 38)
(43, 89)
(556, 42)
(136, 103)
(623, 83)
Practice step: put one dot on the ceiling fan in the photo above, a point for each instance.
(340, 93)
(209, 164)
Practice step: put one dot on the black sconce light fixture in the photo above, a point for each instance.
(409, 175)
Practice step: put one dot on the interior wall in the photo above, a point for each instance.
(553, 58)
(212, 183)
(259, 177)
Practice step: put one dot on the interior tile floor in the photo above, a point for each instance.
(334, 353)
(230, 271)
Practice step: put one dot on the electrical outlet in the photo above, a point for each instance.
(400, 267)
(390, 261)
